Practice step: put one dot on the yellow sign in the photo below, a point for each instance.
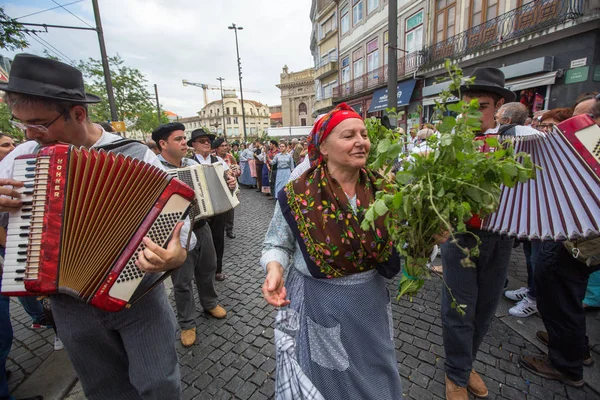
(118, 126)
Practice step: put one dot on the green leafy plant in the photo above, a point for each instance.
(436, 192)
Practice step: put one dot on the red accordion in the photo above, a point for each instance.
(81, 226)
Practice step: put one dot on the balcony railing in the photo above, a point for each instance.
(378, 77)
(326, 60)
(529, 18)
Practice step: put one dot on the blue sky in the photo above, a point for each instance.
(171, 40)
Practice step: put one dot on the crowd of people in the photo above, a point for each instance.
(324, 273)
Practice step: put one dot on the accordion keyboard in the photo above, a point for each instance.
(26, 223)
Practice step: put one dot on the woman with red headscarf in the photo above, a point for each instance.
(335, 287)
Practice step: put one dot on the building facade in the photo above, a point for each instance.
(549, 50)
(191, 124)
(324, 49)
(225, 117)
(297, 96)
(363, 57)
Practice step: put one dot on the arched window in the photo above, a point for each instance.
(302, 108)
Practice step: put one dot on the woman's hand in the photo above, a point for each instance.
(156, 259)
(273, 290)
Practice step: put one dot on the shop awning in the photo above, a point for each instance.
(429, 101)
(380, 97)
(531, 82)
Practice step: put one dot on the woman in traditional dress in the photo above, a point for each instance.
(335, 283)
(246, 177)
(285, 164)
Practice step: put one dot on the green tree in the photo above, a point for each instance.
(11, 33)
(134, 103)
(6, 127)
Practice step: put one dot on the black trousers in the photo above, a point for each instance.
(560, 282)
(217, 227)
(229, 216)
(259, 172)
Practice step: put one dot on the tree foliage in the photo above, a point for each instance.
(6, 127)
(134, 103)
(11, 33)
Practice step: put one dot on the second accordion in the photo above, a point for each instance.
(81, 226)
(563, 202)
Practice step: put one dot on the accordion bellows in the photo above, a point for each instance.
(89, 211)
(563, 202)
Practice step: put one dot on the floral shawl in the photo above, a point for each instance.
(328, 230)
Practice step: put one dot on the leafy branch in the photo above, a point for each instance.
(436, 192)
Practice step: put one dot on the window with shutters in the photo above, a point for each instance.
(482, 11)
(357, 12)
(414, 32)
(372, 56)
(445, 19)
(345, 20)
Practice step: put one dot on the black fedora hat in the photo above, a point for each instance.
(198, 133)
(489, 79)
(42, 77)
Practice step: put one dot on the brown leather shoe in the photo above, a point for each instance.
(454, 392)
(218, 312)
(188, 337)
(542, 336)
(476, 386)
(542, 366)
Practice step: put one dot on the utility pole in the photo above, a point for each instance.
(223, 107)
(158, 114)
(237, 49)
(105, 66)
(392, 86)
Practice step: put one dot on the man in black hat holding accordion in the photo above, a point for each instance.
(129, 354)
(480, 288)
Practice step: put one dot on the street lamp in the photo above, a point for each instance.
(239, 61)
(223, 107)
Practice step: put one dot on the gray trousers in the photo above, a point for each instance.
(127, 355)
(201, 265)
(480, 288)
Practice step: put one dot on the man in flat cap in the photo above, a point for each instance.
(201, 141)
(201, 262)
(125, 355)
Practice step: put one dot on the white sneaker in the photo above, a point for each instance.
(58, 344)
(517, 295)
(524, 308)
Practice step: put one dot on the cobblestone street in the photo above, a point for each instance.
(235, 358)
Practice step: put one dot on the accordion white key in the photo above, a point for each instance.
(563, 202)
(213, 196)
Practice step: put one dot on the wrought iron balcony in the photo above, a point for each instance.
(377, 78)
(327, 66)
(529, 18)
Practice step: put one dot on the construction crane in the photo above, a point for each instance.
(206, 87)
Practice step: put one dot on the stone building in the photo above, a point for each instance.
(297, 96)
(215, 115)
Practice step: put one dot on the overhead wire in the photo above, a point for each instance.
(36, 38)
(50, 9)
(64, 8)
(57, 50)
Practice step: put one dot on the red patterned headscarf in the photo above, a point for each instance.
(323, 127)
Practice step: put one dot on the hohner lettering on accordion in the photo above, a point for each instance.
(81, 226)
(213, 196)
(563, 202)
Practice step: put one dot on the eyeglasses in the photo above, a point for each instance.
(43, 128)
(202, 141)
